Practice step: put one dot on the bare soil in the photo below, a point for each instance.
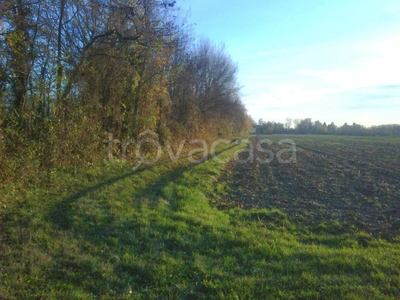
(339, 184)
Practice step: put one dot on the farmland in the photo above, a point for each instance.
(337, 184)
(320, 227)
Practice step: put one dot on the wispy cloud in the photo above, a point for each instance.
(279, 52)
(374, 97)
(361, 75)
(339, 62)
(393, 10)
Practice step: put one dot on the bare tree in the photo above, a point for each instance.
(288, 123)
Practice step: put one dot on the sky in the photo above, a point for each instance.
(329, 60)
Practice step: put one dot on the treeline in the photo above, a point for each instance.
(307, 126)
(72, 71)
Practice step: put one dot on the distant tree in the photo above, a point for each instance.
(296, 123)
(332, 128)
(320, 128)
(268, 127)
(354, 129)
(288, 123)
(385, 130)
(279, 128)
(396, 130)
(305, 126)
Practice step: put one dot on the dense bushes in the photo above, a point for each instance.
(73, 71)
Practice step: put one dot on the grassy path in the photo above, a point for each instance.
(114, 233)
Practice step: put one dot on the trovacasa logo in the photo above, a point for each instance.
(205, 150)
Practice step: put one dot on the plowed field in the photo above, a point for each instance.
(337, 184)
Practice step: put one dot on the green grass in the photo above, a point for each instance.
(107, 232)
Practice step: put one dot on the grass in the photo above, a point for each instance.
(108, 232)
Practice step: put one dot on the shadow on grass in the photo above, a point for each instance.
(153, 251)
(60, 214)
(105, 236)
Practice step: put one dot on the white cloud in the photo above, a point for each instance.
(379, 65)
(393, 10)
(329, 79)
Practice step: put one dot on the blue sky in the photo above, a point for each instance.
(329, 60)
